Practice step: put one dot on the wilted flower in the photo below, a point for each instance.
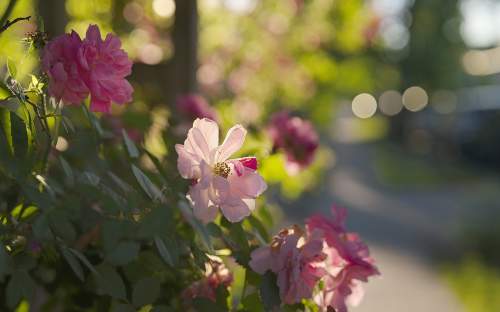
(348, 262)
(216, 274)
(78, 67)
(297, 261)
(218, 182)
(296, 137)
(194, 106)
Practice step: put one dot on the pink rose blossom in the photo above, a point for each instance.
(60, 63)
(216, 275)
(295, 259)
(194, 106)
(218, 182)
(78, 67)
(296, 137)
(348, 262)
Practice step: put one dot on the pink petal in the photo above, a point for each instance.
(248, 185)
(93, 34)
(187, 163)
(261, 259)
(235, 209)
(201, 206)
(210, 131)
(232, 143)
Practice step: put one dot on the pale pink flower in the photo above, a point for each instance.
(216, 275)
(194, 106)
(297, 261)
(60, 63)
(296, 137)
(78, 67)
(348, 262)
(104, 68)
(219, 182)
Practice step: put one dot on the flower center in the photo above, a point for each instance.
(222, 169)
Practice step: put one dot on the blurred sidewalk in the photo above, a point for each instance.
(405, 228)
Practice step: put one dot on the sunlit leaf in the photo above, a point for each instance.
(130, 145)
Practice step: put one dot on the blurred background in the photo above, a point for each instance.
(405, 95)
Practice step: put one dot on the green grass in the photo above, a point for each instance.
(476, 284)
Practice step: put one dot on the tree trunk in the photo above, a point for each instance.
(53, 14)
(185, 38)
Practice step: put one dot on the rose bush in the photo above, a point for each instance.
(91, 218)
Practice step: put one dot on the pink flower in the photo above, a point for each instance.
(216, 274)
(194, 106)
(296, 137)
(295, 259)
(219, 182)
(104, 67)
(348, 262)
(77, 68)
(60, 63)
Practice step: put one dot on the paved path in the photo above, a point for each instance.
(406, 230)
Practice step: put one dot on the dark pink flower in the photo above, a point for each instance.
(348, 262)
(296, 137)
(77, 68)
(216, 274)
(297, 261)
(104, 68)
(194, 106)
(60, 63)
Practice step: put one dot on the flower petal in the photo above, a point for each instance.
(187, 163)
(210, 131)
(235, 209)
(248, 185)
(233, 142)
(261, 259)
(202, 208)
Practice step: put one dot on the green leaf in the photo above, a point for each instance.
(129, 144)
(7, 128)
(168, 250)
(84, 260)
(41, 228)
(197, 225)
(11, 68)
(257, 225)
(73, 263)
(119, 307)
(4, 262)
(70, 177)
(146, 291)
(269, 292)
(206, 305)
(252, 303)
(110, 282)
(123, 253)
(238, 285)
(151, 190)
(21, 285)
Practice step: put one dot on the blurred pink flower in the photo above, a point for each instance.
(219, 182)
(297, 261)
(194, 106)
(77, 68)
(296, 137)
(60, 63)
(216, 274)
(348, 262)
(105, 66)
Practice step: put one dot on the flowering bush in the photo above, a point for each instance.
(90, 217)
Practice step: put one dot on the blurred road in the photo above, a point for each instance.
(406, 229)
